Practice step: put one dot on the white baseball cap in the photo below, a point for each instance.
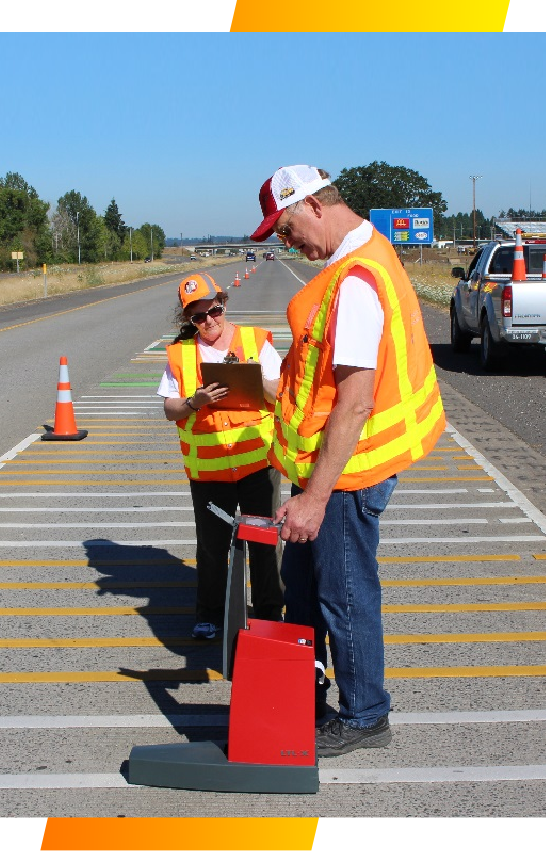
(289, 184)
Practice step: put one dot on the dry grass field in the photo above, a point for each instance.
(28, 286)
(432, 278)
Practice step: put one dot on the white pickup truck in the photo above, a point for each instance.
(487, 303)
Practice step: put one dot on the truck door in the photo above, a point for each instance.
(470, 292)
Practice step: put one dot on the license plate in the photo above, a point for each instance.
(522, 336)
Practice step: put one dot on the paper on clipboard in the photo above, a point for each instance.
(244, 381)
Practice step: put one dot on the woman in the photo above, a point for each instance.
(225, 451)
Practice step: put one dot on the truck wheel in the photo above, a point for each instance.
(488, 348)
(460, 340)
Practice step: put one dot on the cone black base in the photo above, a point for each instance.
(50, 435)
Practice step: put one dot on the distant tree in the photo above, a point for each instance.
(154, 236)
(114, 222)
(23, 222)
(74, 213)
(383, 186)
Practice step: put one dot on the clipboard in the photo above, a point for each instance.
(244, 381)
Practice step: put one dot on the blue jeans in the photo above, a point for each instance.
(332, 584)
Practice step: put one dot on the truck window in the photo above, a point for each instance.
(474, 263)
(502, 261)
(533, 261)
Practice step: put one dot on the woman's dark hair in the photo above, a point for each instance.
(182, 319)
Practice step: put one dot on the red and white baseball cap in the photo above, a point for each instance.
(289, 184)
(197, 287)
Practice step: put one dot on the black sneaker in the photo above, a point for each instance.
(335, 737)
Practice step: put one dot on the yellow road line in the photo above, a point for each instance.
(465, 671)
(183, 641)
(82, 307)
(210, 675)
(464, 637)
(539, 555)
(69, 611)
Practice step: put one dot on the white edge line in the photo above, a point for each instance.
(19, 448)
(511, 491)
(436, 774)
(45, 722)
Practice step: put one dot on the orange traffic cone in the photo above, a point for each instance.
(247, 276)
(544, 265)
(253, 270)
(237, 281)
(518, 272)
(65, 427)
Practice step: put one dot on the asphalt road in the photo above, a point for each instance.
(97, 577)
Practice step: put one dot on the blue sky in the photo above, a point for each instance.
(183, 128)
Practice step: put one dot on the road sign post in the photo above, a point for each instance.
(45, 280)
(17, 255)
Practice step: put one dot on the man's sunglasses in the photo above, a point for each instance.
(214, 311)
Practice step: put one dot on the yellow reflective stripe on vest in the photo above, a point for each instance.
(365, 461)
(248, 339)
(189, 371)
(231, 435)
(236, 434)
(405, 410)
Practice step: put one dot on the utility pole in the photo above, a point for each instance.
(474, 178)
(151, 244)
(131, 242)
(78, 225)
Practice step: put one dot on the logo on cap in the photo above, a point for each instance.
(286, 192)
(190, 287)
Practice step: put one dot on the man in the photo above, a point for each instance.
(358, 402)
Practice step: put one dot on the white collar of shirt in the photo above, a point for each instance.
(353, 240)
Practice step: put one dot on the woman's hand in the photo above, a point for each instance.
(209, 395)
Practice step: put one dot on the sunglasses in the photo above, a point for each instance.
(284, 232)
(214, 311)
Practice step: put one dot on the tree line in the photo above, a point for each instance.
(382, 186)
(71, 233)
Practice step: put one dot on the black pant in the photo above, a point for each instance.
(259, 494)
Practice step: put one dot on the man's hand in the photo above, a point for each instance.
(304, 512)
(302, 518)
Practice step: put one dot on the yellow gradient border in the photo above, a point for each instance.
(305, 16)
(179, 834)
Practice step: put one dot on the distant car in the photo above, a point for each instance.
(147, 259)
(269, 255)
(193, 257)
(251, 256)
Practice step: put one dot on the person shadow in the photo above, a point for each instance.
(165, 585)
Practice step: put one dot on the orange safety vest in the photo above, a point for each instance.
(407, 417)
(221, 446)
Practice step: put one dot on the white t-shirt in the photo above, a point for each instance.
(358, 318)
(268, 357)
